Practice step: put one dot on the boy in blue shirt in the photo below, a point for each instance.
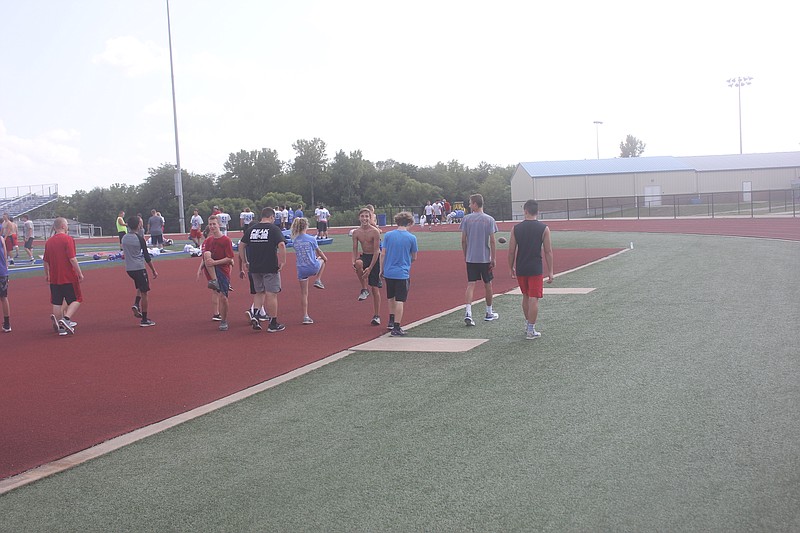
(399, 251)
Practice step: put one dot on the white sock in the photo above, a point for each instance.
(488, 309)
(469, 309)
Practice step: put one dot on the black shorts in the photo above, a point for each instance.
(121, 234)
(157, 239)
(63, 293)
(476, 271)
(140, 280)
(29, 243)
(397, 289)
(322, 226)
(375, 273)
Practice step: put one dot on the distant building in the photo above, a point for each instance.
(652, 177)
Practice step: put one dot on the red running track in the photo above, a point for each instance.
(60, 395)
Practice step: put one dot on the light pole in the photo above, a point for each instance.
(178, 178)
(597, 135)
(738, 82)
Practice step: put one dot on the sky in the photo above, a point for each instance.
(86, 101)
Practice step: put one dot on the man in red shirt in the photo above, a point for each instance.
(62, 272)
(218, 255)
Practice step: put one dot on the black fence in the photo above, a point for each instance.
(719, 204)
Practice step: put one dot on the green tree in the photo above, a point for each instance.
(310, 163)
(632, 147)
(346, 173)
(248, 174)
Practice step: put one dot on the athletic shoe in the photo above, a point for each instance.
(67, 326)
(250, 314)
(363, 295)
(397, 332)
(307, 320)
(213, 285)
(146, 323)
(376, 321)
(276, 328)
(256, 325)
(56, 327)
(223, 325)
(7, 329)
(390, 325)
(136, 311)
(216, 318)
(262, 317)
(62, 332)
(72, 324)
(318, 284)
(532, 334)
(468, 321)
(491, 316)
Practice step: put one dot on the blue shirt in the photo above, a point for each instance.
(399, 245)
(305, 248)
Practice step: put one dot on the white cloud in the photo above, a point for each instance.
(134, 57)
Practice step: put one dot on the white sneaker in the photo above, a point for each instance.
(491, 316)
(363, 295)
(307, 320)
(468, 321)
(532, 334)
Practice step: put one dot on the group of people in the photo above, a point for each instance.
(378, 259)
(435, 212)
(9, 233)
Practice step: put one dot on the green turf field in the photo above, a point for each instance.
(666, 400)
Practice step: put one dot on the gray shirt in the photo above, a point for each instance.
(135, 249)
(478, 227)
(156, 224)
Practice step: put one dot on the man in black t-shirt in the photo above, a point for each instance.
(528, 239)
(262, 253)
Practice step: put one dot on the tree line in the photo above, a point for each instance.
(258, 178)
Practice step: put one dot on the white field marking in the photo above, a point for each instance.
(116, 443)
(65, 463)
(557, 290)
(387, 343)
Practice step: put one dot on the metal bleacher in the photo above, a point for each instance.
(20, 200)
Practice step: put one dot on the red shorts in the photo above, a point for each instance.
(531, 285)
(195, 233)
(11, 241)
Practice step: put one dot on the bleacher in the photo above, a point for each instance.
(18, 201)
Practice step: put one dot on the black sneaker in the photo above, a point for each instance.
(254, 322)
(217, 318)
(274, 328)
(262, 317)
(63, 324)
(136, 311)
(146, 323)
(398, 332)
(390, 325)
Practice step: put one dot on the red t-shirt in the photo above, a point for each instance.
(220, 247)
(58, 250)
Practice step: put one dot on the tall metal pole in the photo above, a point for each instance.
(738, 82)
(178, 178)
(597, 136)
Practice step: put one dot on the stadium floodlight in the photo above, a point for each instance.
(738, 82)
(597, 135)
(178, 177)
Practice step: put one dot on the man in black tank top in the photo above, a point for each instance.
(529, 239)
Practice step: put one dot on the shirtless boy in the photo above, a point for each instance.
(367, 264)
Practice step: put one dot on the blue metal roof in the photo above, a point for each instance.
(623, 165)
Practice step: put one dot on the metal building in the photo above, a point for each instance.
(652, 177)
